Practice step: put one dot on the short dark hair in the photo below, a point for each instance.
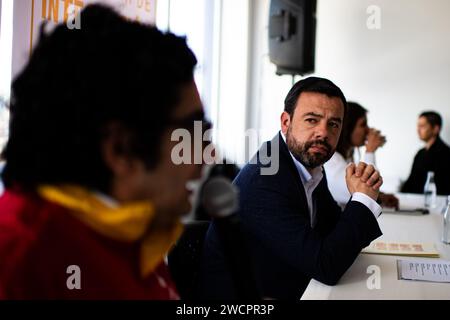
(312, 84)
(433, 118)
(355, 111)
(79, 82)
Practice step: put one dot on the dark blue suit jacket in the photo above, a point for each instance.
(287, 252)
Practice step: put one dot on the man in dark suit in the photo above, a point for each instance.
(295, 230)
(435, 157)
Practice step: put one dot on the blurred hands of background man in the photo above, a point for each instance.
(374, 140)
(363, 178)
(388, 200)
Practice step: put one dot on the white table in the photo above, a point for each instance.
(395, 227)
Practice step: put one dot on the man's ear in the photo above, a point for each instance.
(436, 130)
(285, 122)
(114, 146)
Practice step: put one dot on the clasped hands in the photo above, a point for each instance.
(363, 178)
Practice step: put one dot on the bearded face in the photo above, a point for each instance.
(312, 131)
(312, 153)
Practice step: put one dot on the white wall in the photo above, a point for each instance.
(395, 72)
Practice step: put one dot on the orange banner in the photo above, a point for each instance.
(29, 15)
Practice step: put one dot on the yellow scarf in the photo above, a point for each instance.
(129, 222)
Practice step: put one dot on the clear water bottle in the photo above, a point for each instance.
(446, 225)
(430, 191)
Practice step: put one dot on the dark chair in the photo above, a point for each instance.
(185, 257)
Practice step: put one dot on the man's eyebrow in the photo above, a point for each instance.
(199, 115)
(317, 115)
(196, 116)
(313, 114)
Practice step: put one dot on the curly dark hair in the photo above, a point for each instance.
(76, 83)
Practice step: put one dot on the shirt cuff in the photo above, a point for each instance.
(369, 158)
(371, 204)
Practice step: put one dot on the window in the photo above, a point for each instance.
(6, 24)
(217, 31)
(189, 18)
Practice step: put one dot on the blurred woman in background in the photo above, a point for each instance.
(355, 134)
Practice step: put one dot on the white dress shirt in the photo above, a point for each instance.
(311, 180)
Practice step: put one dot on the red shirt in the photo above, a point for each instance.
(40, 240)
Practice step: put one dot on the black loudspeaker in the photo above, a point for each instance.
(292, 35)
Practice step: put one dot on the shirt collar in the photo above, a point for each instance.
(436, 144)
(305, 175)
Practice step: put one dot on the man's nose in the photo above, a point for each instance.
(321, 130)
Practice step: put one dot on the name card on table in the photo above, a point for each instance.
(402, 249)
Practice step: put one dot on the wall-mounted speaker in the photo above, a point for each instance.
(292, 35)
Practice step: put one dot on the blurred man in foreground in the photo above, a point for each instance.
(93, 198)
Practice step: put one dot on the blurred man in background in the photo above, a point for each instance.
(435, 157)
